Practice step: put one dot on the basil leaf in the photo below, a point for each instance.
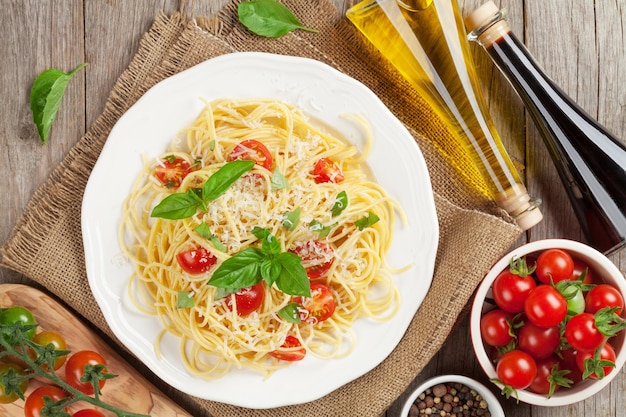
(270, 269)
(322, 230)
(340, 204)
(223, 178)
(369, 220)
(292, 279)
(224, 292)
(203, 230)
(279, 181)
(291, 313)
(184, 300)
(269, 244)
(242, 270)
(269, 18)
(176, 206)
(45, 98)
(291, 219)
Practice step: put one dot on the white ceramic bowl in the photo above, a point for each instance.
(494, 406)
(603, 269)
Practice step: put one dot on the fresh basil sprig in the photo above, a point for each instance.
(179, 206)
(248, 267)
(269, 18)
(45, 98)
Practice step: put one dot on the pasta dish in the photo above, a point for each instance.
(258, 238)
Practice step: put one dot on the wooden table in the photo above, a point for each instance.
(580, 44)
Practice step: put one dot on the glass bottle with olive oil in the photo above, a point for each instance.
(426, 41)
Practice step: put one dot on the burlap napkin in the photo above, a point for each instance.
(46, 243)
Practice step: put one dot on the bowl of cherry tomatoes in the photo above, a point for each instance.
(547, 322)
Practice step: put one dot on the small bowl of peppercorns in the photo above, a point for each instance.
(452, 396)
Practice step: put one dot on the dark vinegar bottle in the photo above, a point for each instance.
(590, 161)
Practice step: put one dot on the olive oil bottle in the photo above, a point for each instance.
(426, 41)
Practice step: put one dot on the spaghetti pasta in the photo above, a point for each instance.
(309, 194)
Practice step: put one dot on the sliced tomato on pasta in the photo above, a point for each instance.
(196, 261)
(171, 171)
(326, 170)
(291, 350)
(317, 258)
(252, 150)
(319, 307)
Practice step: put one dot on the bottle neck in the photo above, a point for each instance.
(487, 25)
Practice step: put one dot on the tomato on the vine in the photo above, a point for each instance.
(11, 370)
(18, 314)
(516, 369)
(252, 150)
(545, 306)
(55, 339)
(88, 412)
(172, 170)
(196, 261)
(294, 350)
(603, 295)
(555, 265)
(326, 170)
(539, 342)
(582, 334)
(75, 369)
(35, 400)
(512, 286)
(320, 306)
(317, 257)
(590, 367)
(495, 328)
(248, 299)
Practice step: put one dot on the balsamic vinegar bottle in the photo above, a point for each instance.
(590, 161)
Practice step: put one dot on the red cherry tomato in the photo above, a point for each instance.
(34, 401)
(7, 397)
(545, 306)
(317, 257)
(291, 350)
(582, 334)
(75, 369)
(46, 338)
(326, 170)
(516, 369)
(568, 362)
(196, 261)
(248, 299)
(495, 327)
(541, 384)
(319, 307)
(510, 290)
(171, 171)
(581, 267)
(538, 342)
(603, 295)
(555, 265)
(252, 150)
(88, 412)
(584, 359)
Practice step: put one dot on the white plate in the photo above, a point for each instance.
(321, 92)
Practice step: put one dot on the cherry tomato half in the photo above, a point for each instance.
(75, 369)
(582, 334)
(326, 170)
(196, 261)
(510, 290)
(603, 295)
(555, 265)
(34, 401)
(606, 354)
(545, 306)
(516, 369)
(248, 299)
(317, 258)
(16, 370)
(291, 350)
(495, 327)
(18, 314)
(252, 150)
(538, 342)
(88, 412)
(171, 171)
(46, 338)
(319, 307)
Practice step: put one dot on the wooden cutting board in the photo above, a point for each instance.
(129, 391)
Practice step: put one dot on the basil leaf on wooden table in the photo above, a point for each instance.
(269, 18)
(45, 98)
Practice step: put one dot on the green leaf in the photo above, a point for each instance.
(203, 230)
(176, 206)
(279, 181)
(270, 270)
(185, 300)
(242, 270)
(291, 219)
(292, 279)
(45, 98)
(269, 244)
(290, 313)
(369, 220)
(340, 204)
(223, 178)
(268, 18)
(223, 292)
(322, 230)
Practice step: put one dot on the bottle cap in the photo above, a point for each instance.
(481, 16)
(529, 218)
